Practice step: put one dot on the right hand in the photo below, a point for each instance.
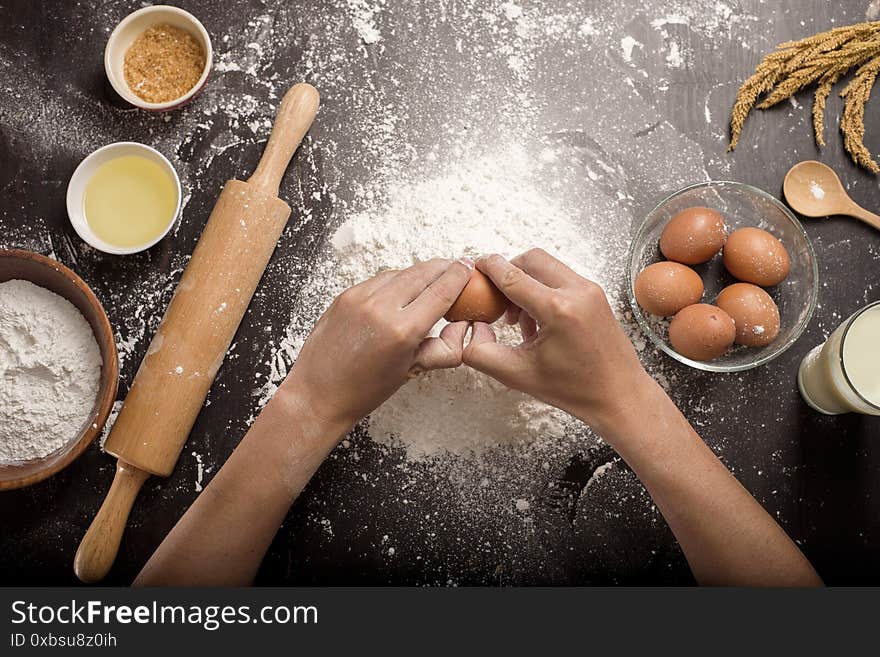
(574, 354)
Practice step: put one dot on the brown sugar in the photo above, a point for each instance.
(163, 64)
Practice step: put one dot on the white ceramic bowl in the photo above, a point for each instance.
(131, 27)
(77, 186)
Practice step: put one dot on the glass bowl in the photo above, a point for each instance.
(742, 205)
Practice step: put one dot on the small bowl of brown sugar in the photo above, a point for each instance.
(158, 58)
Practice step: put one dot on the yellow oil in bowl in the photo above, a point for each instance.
(129, 201)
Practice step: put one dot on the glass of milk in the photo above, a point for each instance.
(843, 375)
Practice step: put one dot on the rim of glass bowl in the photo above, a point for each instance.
(710, 366)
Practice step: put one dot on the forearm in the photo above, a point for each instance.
(727, 537)
(361, 350)
(224, 535)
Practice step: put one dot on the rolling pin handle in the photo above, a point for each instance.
(99, 546)
(295, 116)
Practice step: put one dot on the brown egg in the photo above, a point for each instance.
(479, 301)
(754, 312)
(693, 235)
(701, 332)
(664, 288)
(755, 256)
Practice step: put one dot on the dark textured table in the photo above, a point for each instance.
(646, 86)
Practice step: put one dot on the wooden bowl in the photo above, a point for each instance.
(52, 275)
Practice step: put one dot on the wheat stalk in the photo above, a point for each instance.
(822, 92)
(821, 60)
(852, 123)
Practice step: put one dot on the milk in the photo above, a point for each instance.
(843, 375)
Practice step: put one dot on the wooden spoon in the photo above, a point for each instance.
(814, 190)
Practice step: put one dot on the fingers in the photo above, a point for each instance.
(517, 285)
(370, 285)
(411, 282)
(501, 362)
(441, 352)
(528, 326)
(436, 299)
(543, 267)
(511, 315)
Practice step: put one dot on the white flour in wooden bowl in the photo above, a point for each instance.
(50, 369)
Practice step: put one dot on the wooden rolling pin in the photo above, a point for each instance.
(172, 383)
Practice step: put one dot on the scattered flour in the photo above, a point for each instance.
(598, 473)
(111, 420)
(676, 52)
(674, 57)
(50, 369)
(200, 471)
(511, 10)
(627, 44)
(461, 411)
(587, 28)
(364, 19)
(816, 190)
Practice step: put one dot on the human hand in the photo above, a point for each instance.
(373, 337)
(574, 354)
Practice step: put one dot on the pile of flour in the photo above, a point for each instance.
(50, 369)
(486, 205)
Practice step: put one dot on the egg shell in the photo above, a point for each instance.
(753, 311)
(693, 235)
(479, 301)
(702, 332)
(664, 288)
(755, 256)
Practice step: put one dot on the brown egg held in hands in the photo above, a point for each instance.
(479, 301)
(755, 256)
(753, 311)
(702, 332)
(664, 288)
(693, 236)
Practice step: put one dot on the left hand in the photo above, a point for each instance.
(373, 337)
